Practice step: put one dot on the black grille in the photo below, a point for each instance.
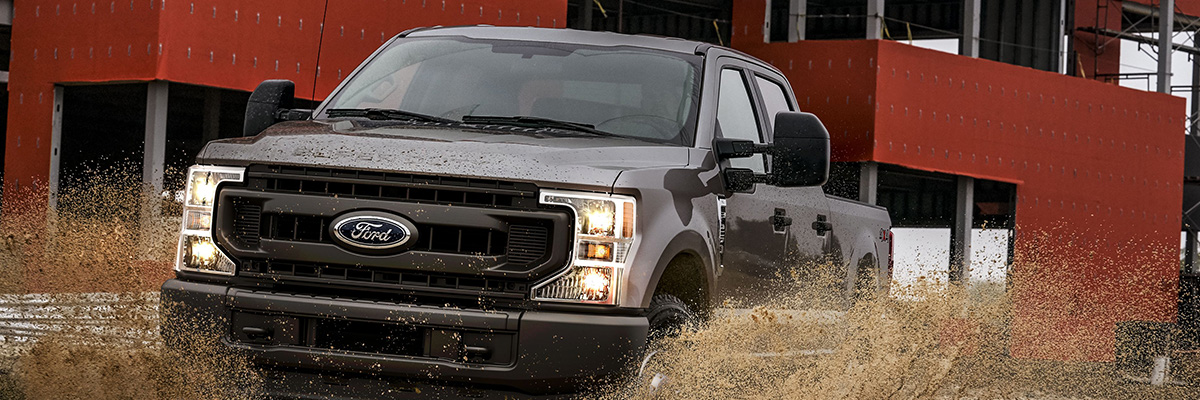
(527, 244)
(247, 219)
(431, 238)
(383, 276)
(394, 186)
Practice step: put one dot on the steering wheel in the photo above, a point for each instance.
(661, 128)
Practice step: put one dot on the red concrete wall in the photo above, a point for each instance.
(233, 44)
(1098, 168)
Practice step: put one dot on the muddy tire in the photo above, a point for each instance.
(668, 317)
(866, 281)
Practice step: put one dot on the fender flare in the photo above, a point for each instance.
(687, 242)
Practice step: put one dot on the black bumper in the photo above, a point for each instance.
(531, 352)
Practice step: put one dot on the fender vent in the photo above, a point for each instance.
(527, 243)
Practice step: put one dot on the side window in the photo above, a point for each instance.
(737, 119)
(774, 98)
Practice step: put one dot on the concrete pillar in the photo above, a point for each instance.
(211, 127)
(797, 20)
(875, 19)
(55, 148)
(1189, 250)
(868, 182)
(969, 42)
(766, 26)
(586, 15)
(1166, 27)
(960, 231)
(153, 163)
(155, 144)
(1194, 111)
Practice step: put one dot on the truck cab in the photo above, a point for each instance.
(510, 209)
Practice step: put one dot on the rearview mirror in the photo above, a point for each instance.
(271, 102)
(800, 153)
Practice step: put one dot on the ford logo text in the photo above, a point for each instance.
(372, 232)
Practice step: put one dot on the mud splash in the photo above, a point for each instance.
(95, 266)
(78, 302)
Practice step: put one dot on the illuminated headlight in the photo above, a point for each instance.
(197, 251)
(603, 238)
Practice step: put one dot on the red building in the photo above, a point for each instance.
(1089, 174)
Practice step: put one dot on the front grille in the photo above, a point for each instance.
(246, 222)
(413, 280)
(431, 238)
(393, 186)
(527, 243)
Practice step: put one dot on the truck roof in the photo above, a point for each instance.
(563, 35)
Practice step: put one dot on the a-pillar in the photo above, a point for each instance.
(960, 231)
(875, 19)
(153, 162)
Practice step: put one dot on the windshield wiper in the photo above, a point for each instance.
(385, 113)
(535, 122)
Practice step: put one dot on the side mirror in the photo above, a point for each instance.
(271, 102)
(800, 153)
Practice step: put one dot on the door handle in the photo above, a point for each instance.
(780, 221)
(822, 225)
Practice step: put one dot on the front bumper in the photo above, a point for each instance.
(532, 352)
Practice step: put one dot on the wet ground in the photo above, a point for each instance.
(89, 331)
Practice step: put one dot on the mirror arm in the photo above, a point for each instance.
(293, 114)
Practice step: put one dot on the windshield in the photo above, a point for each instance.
(625, 91)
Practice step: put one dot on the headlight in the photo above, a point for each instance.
(603, 238)
(197, 251)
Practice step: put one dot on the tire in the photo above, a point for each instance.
(668, 317)
(866, 281)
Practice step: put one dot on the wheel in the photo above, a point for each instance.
(866, 281)
(669, 316)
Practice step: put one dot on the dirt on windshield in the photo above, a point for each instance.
(79, 320)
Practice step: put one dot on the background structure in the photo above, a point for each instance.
(1024, 130)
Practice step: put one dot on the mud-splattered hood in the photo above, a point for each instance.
(499, 153)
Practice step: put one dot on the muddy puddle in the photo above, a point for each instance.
(79, 320)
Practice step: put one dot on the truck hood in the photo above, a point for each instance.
(513, 154)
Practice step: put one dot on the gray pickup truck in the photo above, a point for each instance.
(516, 210)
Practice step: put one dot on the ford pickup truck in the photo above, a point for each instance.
(517, 210)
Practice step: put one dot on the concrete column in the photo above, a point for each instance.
(1189, 250)
(969, 42)
(55, 148)
(960, 231)
(153, 163)
(1194, 109)
(875, 19)
(211, 127)
(155, 145)
(868, 183)
(797, 20)
(766, 26)
(586, 15)
(1166, 26)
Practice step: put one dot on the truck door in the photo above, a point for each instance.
(763, 247)
(810, 258)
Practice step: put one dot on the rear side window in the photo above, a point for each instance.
(737, 119)
(774, 98)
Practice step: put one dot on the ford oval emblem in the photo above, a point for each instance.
(369, 231)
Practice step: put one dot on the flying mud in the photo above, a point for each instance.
(79, 320)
